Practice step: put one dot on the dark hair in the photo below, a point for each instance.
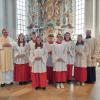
(4, 29)
(20, 41)
(89, 35)
(80, 43)
(65, 36)
(50, 35)
(88, 31)
(59, 35)
(33, 33)
(38, 45)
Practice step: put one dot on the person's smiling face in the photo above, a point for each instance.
(5, 33)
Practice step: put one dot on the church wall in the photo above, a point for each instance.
(8, 16)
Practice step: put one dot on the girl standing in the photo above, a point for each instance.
(70, 55)
(21, 67)
(49, 45)
(39, 59)
(80, 70)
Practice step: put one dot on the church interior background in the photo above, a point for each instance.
(45, 17)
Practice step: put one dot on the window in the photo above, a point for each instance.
(21, 17)
(79, 16)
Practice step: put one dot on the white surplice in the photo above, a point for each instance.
(70, 48)
(49, 49)
(59, 51)
(81, 60)
(19, 50)
(39, 66)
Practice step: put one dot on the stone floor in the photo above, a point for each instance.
(71, 92)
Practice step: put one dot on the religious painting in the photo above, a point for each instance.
(47, 12)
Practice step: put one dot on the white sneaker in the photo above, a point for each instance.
(58, 86)
(82, 84)
(62, 85)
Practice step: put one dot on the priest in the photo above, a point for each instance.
(6, 59)
(92, 57)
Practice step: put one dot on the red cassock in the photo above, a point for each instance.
(22, 73)
(80, 74)
(39, 70)
(39, 80)
(70, 57)
(69, 71)
(80, 69)
(60, 76)
(49, 45)
(50, 73)
(60, 69)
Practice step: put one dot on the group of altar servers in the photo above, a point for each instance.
(52, 62)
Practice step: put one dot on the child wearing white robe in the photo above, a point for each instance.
(59, 60)
(80, 70)
(49, 45)
(22, 72)
(70, 55)
(39, 71)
